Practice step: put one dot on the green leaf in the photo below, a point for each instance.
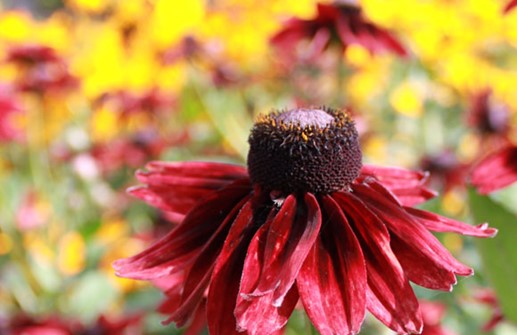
(92, 295)
(499, 254)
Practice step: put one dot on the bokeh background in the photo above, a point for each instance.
(91, 90)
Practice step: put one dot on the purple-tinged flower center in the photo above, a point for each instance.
(304, 150)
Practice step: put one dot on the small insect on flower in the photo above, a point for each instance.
(307, 220)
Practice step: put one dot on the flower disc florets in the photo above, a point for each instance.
(304, 150)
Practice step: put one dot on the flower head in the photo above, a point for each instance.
(309, 222)
(509, 6)
(340, 23)
(488, 117)
(495, 171)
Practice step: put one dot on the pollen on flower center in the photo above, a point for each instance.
(304, 150)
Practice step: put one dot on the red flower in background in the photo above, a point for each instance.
(446, 172)
(509, 6)
(306, 221)
(496, 171)
(126, 103)
(132, 151)
(9, 109)
(488, 297)
(41, 69)
(498, 168)
(54, 325)
(340, 23)
(488, 117)
(432, 315)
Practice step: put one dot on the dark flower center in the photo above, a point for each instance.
(304, 150)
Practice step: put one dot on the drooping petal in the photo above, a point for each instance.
(389, 295)
(224, 284)
(259, 315)
(496, 171)
(198, 278)
(408, 186)
(410, 231)
(175, 187)
(332, 281)
(419, 269)
(177, 248)
(438, 223)
(289, 239)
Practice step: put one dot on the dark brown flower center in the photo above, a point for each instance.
(304, 150)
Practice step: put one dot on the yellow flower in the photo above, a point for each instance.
(171, 20)
(71, 253)
(407, 99)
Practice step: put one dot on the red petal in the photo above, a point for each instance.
(211, 170)
(224, 284)
(509, 6)
(496, 171)
(289, 239)
(406, 228)
(199, 274)
(332, 281)
(177, 248)
(259, 316)
(389, 296)
(408, 186)
(419, 269)
(439, 223)
(176, 187)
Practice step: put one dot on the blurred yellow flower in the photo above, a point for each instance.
(15, 26)
(6, 243)
(104, 125)
(407, 99)
(71, 253)
(89, 6)
(453, 203)
(171, 21)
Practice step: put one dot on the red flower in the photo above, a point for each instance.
(488, 297)
(41, 69)
(432, 315)
(126, 103)
(488, 117)
(496, 171)
(9, 107)
(509, 6)
(446, 171)
(305, 221)
(342, 24)
(54, 325)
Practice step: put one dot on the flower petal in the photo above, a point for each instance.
(289, 239)
(224, 284)
(332, 281)
(496, 171)
(175, 187)
(259, 315)
(409, 230)
(439, 223)
(389, 296)
(199, 274)
(408, 186)
(419, 269)
(177, 248)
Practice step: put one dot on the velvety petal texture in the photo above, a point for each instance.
(496, 171)
(243, 257)
(176, 187)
